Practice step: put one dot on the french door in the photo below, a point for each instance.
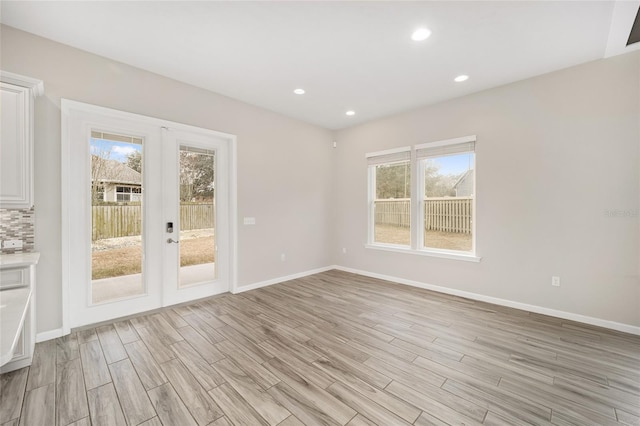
(195, 191)
(146, 213)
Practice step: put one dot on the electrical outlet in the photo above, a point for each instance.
(12, 244)
(555, 281)
(283, 257)
(249, 221)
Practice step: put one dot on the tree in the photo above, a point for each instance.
(196, 173)
(437, 184)
(197, 176)
(393, 181)
(99, 159)
(134, 161)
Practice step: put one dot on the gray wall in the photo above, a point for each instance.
(557, 190)
(557, 178)
(282, 163)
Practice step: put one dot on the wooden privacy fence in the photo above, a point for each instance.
(125, 220)
(448, 214)
(196, 216)
(445, 214)
(396, 212)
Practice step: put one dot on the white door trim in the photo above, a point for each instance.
(69, 107)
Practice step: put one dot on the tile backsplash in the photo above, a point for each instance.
(17, 224)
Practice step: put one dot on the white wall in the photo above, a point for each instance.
(554, 154)
(282, 163)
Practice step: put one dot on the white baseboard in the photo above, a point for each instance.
(626, 328)
(282, 279)
(48, 335)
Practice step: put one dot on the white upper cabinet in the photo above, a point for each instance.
(16, 139)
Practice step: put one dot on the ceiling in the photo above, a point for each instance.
(346, 55)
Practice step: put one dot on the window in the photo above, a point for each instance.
(136, 194)
(97, 192)
(128, 193)
(449, 185)
(390, 200)
(432, 212)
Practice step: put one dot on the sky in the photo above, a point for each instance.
(454, 164)
(118, 150)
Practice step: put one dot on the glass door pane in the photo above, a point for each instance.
(197, 216)
(116, 217)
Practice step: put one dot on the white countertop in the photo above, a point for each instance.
(14, 304)
(19, 259)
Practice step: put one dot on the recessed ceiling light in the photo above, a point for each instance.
(420, 34)
(461, 78)
(299, 91)
(350, 113)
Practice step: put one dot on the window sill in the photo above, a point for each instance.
(429, 253)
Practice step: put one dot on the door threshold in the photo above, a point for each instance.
(145, 313)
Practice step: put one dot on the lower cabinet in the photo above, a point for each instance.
(23, 352)
(17, 310)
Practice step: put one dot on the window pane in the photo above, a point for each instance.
(197, 216)
(116, 246)
(392, 206)
(449, 185)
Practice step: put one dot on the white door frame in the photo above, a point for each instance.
(72, 111)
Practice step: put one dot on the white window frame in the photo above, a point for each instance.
(372, 195)
(417, 205)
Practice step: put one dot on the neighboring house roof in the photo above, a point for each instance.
(463, 177)
(115, 172)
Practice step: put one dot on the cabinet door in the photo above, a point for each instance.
(15, 147)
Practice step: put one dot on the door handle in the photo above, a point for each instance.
(171, 240)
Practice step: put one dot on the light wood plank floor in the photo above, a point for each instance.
(331, 349)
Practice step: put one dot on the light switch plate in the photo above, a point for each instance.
(249, 220)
